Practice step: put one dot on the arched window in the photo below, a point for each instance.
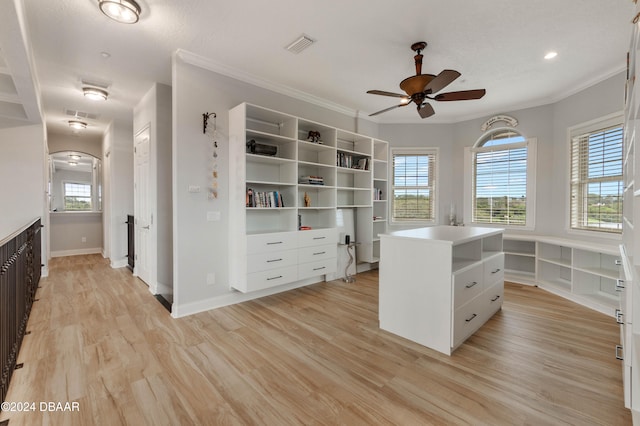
(502, 181)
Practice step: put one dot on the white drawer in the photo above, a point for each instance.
(467, 285)
(271, 278)
(467, 319)
(316, 253)
(262, 243)
(494, 270)
(314, 269)
(316, 237)
(494, 296)
(271, 260)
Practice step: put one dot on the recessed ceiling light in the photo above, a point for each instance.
(124, 11)
(550, 55)
(75, 124)
(105, 55)
(95, 94)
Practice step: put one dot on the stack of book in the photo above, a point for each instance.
(264, 199)
(311, 180)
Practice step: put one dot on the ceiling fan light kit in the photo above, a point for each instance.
(422, 87)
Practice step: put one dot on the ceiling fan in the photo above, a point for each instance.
(422, 87)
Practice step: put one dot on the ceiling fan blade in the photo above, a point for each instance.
(441, 81)
(383, 93)
(462, 95)
(426, 110)
(387, 109)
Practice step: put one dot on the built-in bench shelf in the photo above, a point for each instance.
(584, 272)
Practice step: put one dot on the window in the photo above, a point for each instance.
(414, 184)
(502, 183)
(77, 196)
(596, 178)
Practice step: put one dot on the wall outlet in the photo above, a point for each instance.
(211, 278)
(84, 239)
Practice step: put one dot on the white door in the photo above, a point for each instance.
(142, 211)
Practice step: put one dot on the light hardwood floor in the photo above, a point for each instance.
(309, 356)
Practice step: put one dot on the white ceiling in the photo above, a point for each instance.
(361, 44)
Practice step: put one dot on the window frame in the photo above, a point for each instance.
(435, 152)
(64, 195)
(469, 171)
(592, 126)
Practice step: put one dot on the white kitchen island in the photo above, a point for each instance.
(438, 285)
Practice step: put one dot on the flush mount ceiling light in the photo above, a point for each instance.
(75, 156)
(78, 125)
(124, 11)
(72, 163)
(550, 55)
(95, 94)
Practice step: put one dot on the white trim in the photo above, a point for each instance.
(186, 309)
(615, 118)
(435, 151)
(76, 252)
(220, 68)
(117, 264)
(532, 155)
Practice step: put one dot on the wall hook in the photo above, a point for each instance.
(205, 119)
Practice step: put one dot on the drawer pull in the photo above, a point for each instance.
(619, 352)
(274, 260)
(471, 318)
(318, 253)
(274, 278)
(320, 268)
(319, 238)
(619, 285)
(495, 298)
(471, 284)
(619, 315)
(274, 242)
(496, 271)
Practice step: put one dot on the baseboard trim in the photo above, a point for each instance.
(76, 252)
(118, 263)
(186, 309)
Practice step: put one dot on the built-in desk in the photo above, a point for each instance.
(438, 285)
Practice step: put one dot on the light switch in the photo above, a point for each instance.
(194, 188)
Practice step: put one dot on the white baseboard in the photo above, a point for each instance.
(76, 252)
(116, 264)
(186, 309)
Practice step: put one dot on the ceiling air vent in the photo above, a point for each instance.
(80, 114)
(300, 44)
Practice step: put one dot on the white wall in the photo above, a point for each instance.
(200, 247)
(549, 125)
(75, 233)
(88, 144)
(22, 155)
(118, 190)
(154, 111)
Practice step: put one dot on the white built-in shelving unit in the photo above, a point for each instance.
(628, 312)
(271, 244)
(583, 272)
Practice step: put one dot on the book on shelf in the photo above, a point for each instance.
(352, 162)
(264, 199)
(311, 180)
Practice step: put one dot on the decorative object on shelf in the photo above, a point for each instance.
(213, 192)
(307, 200)
(314, 136)
(254, 147)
